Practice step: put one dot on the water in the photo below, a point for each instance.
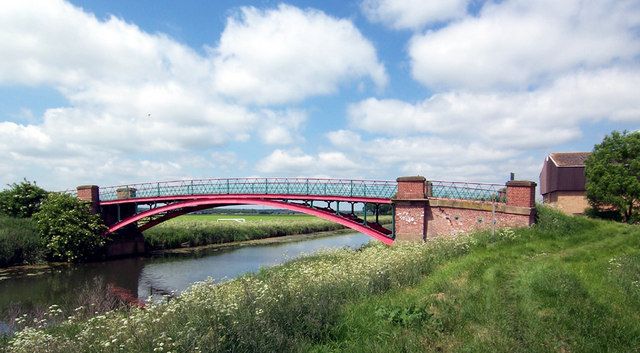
(152, 276)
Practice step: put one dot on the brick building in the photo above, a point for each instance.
(562, 181)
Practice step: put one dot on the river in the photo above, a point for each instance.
(151, 277)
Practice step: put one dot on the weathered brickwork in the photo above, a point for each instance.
(447, 221)
(411, 188)
(89, 193)
(419, 217)
(410, 220)
(521, 193)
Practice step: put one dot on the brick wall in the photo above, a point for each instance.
(412, 187)
(521, 193)
(410, 221)
(448, 221)
(419, 217)
(410, 204)
(89, 193)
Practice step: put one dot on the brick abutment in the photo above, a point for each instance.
(420, 216)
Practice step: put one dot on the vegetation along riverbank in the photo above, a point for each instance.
(37, 226)
(197, 230)
(566, 284)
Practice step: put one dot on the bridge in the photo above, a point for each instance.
(420, 208)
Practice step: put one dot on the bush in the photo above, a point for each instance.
(71, 231)
(19, 242)
(611, 215)
(553, 223)
(21, 200)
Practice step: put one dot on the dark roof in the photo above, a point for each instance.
(569, 159)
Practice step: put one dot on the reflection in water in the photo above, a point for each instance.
(175, 275)
(144, 277)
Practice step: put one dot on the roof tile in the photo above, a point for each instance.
(569, 159)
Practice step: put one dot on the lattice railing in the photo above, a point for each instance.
(299, 186)
(469, 191)
(235, 186)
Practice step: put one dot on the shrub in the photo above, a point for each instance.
(21, 199)
(71, 231)
(552, 223)
(612, 215)
(19, 242)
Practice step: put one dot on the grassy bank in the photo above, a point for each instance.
(19, 242)
(197, 230)
(571, 285)
(565, 285)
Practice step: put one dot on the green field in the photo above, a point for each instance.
(197, 230)
(248, 218)
(564, 285)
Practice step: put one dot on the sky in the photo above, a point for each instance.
(117, 92)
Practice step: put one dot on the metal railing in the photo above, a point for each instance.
(299, 186)
(235, 186)
(469, 191)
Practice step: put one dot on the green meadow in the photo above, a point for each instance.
(566, 284)
(196, 230)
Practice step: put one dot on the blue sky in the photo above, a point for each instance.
(111, 92)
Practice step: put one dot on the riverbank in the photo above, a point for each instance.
(254, 242)
(198, 230)
(566, 284)
(21, 246)
(30, 270)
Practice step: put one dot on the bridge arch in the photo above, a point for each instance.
(172, 210)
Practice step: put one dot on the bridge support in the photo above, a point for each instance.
(90, 194)
(418, 215)
(411, 207)
(129, 240)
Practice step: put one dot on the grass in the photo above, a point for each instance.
(196, 230)
(565, 285)
(19, 242)
(570, 288)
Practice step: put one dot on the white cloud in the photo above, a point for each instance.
(287, 54)
(131, 94)
(522, 43)
(412, 14)
(223, 162)
(58, 44)
(282, 128)
(128, 90)
(297, 163)
(434, 157)
(344, 138)
(508, 84)
(545, 117)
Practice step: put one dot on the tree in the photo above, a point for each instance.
(383, 209)
(613, 174)
(71, 231)
(21, 199)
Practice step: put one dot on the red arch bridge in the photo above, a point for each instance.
(352, 203)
